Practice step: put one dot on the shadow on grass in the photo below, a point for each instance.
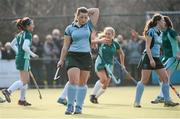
(176, 109)
(91, 116)
(34, 108)
(106, 106)
(116, 105)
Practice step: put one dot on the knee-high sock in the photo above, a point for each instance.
(97, 87)
(71, 94)
(16, 85)
(165, 90)
(139, 92)
(64, 92)
(81, 94)
(23, 92)
(161, 93)
(100, 92)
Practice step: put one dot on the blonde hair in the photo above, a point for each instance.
(102, 34)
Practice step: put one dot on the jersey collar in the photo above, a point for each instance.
(74, 24)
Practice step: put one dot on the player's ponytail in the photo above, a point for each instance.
(19, 24)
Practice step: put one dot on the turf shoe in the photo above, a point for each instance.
(158, 100)
(62, 101)
(93, 99)
(170, 104)
(69, 109)
(6, 94)
(136, 105)
(78, 110)
(24, 103)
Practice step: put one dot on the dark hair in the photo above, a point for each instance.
(80, 10)
(23, 23)
(152, 22)
(168, 22)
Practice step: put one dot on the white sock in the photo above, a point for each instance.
(23, 92)
(100, 92)
(16, 85)
(64, 92)
(161, 93)
(96, 88)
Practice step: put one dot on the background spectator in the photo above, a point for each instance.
(7, 52)
(134, 55)
(123, 43)
(50, 59)
(58, 40)
(37, 64)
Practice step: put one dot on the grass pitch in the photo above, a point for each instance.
(115, 103)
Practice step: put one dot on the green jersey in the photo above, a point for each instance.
(107, 52)
(170, 44)
(170, 49)
(21, 37)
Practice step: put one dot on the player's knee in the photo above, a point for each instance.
(103, 81)
(165, 79)
(72, 81)
(144, 82)
(82, 83)
(104, 86)
(25, 81)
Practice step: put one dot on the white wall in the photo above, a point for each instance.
(8, 73)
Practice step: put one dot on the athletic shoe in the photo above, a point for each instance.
(137, 105)
(62, 101)
(170, 104)
(93, 99)
(24, 103)
(78, 110)
(158, 100)
(6, 94)
(2, 100)
(69, 109)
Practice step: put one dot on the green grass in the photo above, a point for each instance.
(114, 104)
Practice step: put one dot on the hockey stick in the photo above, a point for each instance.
(35, 83)
(109, 72)
(172, 87)
(56, 74)
(126, 72)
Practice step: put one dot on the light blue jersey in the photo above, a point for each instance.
(80, 37)
(156, 40)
